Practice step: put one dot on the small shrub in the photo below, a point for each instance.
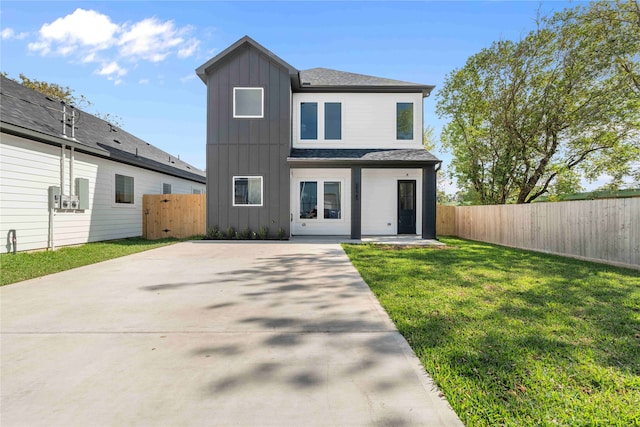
(212, 232)
(231, 233)
(280, 233)
(246, 233)
(264, 232)
(237, 236)
(254, 235)
(219, 235)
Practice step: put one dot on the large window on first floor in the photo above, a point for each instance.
(404, 120)
(124, 189)
(329, 199)
(247, 191)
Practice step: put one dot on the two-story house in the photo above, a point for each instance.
(314, 152)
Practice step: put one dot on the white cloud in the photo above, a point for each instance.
(187, 78)
(143, 81)
(82, 28)
(151, 39)
(88, 36)
(8, 33)
(188, 49)
(110, 69)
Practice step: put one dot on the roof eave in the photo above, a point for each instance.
(59, 141)
(20, 131)
(324, 162)
(425, 90)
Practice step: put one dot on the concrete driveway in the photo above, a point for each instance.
(206, 333)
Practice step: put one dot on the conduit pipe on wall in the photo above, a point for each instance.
(71, 171)
(62, 162)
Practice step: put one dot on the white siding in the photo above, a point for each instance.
(321, 226)
(380, 200)
(28, 169)
(368, 120)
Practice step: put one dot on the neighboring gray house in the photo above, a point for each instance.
(314, 152)
(95, 171)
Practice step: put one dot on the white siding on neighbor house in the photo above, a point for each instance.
(379, 208)
(321, 226)
(368, 120)
(29, 168)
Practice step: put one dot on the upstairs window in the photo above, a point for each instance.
(166, 188)
(332, 120)
(247, 191)
(124, 189)
(309, 120)
(248, 102)
(404, 120)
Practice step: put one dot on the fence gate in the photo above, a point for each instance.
(173, 215)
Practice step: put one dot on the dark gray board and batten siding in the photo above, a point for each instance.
(253, 147)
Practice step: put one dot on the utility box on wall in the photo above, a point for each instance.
(54, 197)
(82, 191)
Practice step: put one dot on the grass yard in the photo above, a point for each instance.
(512, 337)
(27, 265)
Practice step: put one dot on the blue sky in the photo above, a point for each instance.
(136, 60)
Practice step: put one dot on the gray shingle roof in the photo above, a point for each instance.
(362, 156)
(28, 110)
(327, 78)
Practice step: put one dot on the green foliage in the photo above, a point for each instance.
(212, 232)
(528, 117)
(246, 233)
(515, 338)
(280, 233)
(28, 265)
(428, 138)
(231, 233)
(264, 232)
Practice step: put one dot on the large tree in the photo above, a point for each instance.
(530, 117)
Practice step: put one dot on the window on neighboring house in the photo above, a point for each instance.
(166, 188)
(309, 120)
(332, 120)
(196, 191)
(248, 102)
(404, 120)
(124, 189)
(247, 191)
(331, 199)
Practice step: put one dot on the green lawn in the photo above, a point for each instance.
(27, 265)
(513, 337)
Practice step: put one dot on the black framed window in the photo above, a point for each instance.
(404, 120)
(333, 120)
(309, 120)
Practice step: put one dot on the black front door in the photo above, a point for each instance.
(407, 207)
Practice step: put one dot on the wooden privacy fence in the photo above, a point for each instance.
(445, 220)
(606, 230)
(173, 215)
